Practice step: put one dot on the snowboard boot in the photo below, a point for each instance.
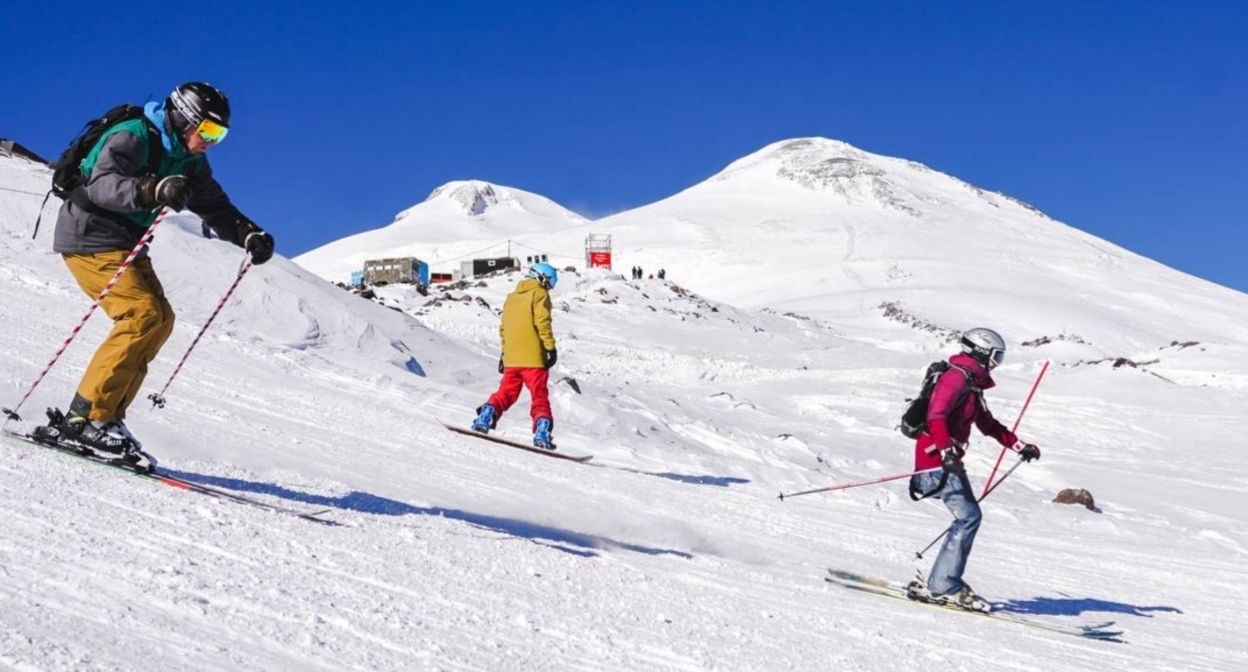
(486, 419)
(541, 437)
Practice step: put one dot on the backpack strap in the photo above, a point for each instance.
(40, 217)
(918, 495)
(969, 389)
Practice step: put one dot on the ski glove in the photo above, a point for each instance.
(1029, 452)
(172, 192)
(256, 241)
(551, 357)
(950, 462)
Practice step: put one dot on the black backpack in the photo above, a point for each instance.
(914, 419)
(67, 169)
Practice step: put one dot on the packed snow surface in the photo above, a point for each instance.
(809, 285)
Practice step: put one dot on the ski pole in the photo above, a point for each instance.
(846, 486)
(1001, 455)
(158, 398)
(139, 247)
(919, 555)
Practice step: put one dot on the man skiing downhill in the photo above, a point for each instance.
(956, 404)
(528, 344)
(122, 191)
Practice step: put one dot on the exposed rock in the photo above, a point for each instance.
(1076, 496)
(1045, 340)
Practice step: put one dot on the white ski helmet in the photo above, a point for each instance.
(985, 346)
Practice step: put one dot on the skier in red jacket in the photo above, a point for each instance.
(956, 404)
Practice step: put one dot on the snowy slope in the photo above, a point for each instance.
(458, 221)
(671, 552)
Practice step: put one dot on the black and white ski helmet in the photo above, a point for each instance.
(985, 346)
(193, 102)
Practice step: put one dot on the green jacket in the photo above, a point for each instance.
(525, 330)
(111, 173)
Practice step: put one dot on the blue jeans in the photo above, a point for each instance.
(946, 576)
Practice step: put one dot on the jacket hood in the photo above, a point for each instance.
(979, 375)
(155, 113)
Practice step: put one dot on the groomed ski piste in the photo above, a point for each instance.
(700, 398)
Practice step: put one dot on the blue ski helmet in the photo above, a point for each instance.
(545, 274)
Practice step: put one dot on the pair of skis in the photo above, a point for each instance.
(144, 466)
(148, 471)
(889, 589)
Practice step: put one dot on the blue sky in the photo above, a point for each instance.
(1128, 120)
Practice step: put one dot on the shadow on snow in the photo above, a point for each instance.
(717, 481)
(576, 543)
(1070, 606)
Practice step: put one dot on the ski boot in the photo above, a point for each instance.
(103, 437)
(963, 598)
(541, 437)
(486, 419)
(109, 441)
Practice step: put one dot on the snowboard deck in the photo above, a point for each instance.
(516, 444)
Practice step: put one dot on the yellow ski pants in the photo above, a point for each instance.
(142, 322)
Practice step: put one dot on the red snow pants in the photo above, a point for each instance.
(535, 379)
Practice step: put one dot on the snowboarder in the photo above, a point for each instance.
(97, 228)
(528, 345)
(957, 403)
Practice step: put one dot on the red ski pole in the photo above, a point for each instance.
(158, 398)
(143, 242)
(1001, 455)
(846, 486)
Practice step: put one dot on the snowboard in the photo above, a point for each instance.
(529, 447)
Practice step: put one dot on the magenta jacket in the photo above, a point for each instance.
(948, 425)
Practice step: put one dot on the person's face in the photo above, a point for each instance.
(194, 143)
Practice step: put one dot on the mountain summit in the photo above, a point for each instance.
(454, 220)
(857, 177)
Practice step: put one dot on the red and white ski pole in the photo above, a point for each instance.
(847, 486)
(158, 398)
(138, 248)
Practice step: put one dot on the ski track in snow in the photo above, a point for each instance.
(670, 551)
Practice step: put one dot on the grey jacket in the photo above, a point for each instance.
(113, 186)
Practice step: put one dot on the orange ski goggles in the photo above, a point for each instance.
(211, 132)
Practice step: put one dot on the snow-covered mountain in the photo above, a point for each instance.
(457, 221)
(670, 550)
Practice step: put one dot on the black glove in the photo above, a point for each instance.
(172, 191)
(551, 356)
(950, 462)
(1029, 452)
(500, 364)
(256, 241)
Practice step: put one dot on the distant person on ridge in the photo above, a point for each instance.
(123, 188)
(956, 404)
(528, 344)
